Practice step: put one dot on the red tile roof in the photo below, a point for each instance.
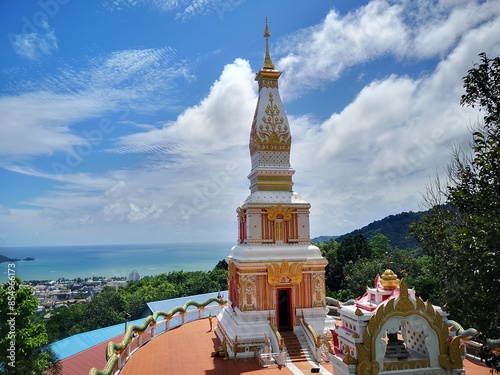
(81, 363)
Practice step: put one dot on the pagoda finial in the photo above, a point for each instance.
(268, 64)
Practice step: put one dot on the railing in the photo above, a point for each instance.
(117, 354)
(270, 359)
(280, 356)
(312, 339)
(320, 350)
(277, 336)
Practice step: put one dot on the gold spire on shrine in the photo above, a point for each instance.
(270, 137)
(268, 75)
(268, 64)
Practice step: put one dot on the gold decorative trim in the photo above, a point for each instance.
(403, 306)
(284, 273)
(283, 183)
(232, 270)
(406, 364)
(349, 360)
(274, 211)
(271, 83)
(241, 214)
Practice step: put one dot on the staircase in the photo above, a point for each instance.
(296, 346)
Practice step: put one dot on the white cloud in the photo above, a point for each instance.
(34, 44)
(37, 123)
(120, 82)
(376, 156)
(371, 159)
(442, 30)
(321, 53)
(315, 56)
(196, 168)
(213, 125)
(4, 211)
(183, 9)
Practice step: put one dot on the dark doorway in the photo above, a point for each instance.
(284, 310)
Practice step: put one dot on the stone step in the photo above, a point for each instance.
(297, 352)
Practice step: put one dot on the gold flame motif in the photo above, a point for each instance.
(272, 133)
(274, 211)
(284, 273)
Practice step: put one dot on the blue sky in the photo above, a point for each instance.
(127, 121)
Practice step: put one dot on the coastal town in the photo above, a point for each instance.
(52, 294)
(63, 292)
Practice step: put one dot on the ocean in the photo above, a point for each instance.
(52, 263)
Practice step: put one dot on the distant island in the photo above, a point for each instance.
(4, 259)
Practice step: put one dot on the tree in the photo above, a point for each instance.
(23, 340)
(353, 248)
(462, 232)
(361, 274)
(106, 309)
(66, 321)
(380, 245)
(334, 269)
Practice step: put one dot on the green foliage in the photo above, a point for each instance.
(361, 274)
(394, 227)
(353, 248)
(334, 269)
(221, 265)
(114, 306)
(380, 245)
(21, 339)
(462, 231)
(106, 309)
(354, 263)
(66, 321)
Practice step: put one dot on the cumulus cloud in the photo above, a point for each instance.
(376, 156)
(219, 121)
(369, 159)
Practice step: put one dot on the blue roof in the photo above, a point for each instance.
(71, 345)
(74, 344)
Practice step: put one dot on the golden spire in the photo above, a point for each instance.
(268, 64)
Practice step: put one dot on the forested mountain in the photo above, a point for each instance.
(395, 227)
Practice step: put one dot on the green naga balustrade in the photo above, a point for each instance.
(114, 350)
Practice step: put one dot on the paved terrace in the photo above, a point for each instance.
(186, 350)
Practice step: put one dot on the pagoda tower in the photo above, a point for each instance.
(276, 276)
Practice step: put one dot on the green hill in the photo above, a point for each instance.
(395, 227)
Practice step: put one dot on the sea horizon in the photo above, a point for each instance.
(84, 261)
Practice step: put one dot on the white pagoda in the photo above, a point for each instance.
(276, 276)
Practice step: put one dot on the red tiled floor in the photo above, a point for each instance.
(187, 349)
(81, 363)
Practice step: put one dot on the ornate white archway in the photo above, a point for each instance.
(413, 315)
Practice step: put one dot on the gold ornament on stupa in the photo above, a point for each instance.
(389, 280)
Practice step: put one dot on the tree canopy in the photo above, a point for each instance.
(113, 306)
(22, 341)
(462, 231)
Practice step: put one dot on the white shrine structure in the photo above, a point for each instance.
(391, 331)
(276, 276)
